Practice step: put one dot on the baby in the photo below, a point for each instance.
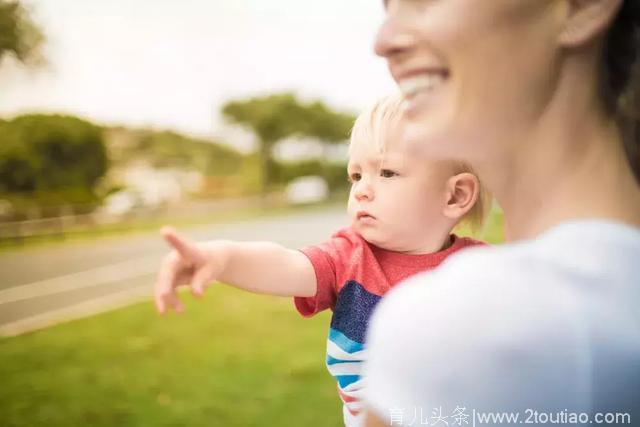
(403, 209)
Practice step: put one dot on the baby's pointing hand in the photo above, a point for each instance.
(186, 264)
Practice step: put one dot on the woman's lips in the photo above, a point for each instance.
(422, 89)
(426, 82)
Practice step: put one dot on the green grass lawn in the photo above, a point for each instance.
(232, 359)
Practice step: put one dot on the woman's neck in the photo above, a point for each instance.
(593, 183)
(572, 165)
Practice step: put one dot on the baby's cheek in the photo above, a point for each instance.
(350, 205)
(413, 198)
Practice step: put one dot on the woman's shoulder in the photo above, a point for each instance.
(477, 279)
(571, 250)
(529, 282)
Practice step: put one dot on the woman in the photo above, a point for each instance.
(541, 96)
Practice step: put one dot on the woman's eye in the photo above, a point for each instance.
(354, 177)
(387, 173)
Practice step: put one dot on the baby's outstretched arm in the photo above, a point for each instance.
(259, 267)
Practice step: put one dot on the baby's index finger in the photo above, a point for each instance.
(180, 244)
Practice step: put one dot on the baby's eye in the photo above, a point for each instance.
(387, 173)
(354, 177)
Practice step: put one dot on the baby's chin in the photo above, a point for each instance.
(380, 239)
(371, 236)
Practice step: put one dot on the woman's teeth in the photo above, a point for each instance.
(426, 82)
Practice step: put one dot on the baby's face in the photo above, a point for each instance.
(397, 199)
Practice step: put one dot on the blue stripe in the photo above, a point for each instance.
(346, 380)
(334, 361)
(343, 342)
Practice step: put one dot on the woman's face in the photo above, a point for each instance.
(477, 74)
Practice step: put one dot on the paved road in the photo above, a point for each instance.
(42, 286)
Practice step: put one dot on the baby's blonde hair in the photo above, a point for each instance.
(373, 124)
(372, 127)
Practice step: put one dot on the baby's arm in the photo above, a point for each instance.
(268, 268)
(259, 267)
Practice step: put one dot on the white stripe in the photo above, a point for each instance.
(357, 393)
(355, 405)
(352, 388)
(346, 368)
(77, 311)
(351, 420)
(97, 276)
(337, 353)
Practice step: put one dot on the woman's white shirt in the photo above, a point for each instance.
(549, 325)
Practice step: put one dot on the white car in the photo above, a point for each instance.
(120, 203)
(307, 189)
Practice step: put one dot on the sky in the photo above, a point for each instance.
(171, 65)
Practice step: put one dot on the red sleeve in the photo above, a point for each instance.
(329, 260)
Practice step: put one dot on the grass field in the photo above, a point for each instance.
(232, 359)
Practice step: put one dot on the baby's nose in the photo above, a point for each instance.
(364, 191)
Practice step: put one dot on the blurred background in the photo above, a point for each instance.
(227, 119)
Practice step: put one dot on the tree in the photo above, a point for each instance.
(325, 124)
(332, 128)
(19, 35)
(168, 148)
(271, 118)
(275, 117)
(59, 158)
(17, 166)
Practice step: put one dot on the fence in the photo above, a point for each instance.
(65, 225)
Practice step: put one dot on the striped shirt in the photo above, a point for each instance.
(352, 276)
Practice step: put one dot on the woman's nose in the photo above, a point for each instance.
(392, 39)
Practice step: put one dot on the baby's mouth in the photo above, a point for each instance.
(364, 215)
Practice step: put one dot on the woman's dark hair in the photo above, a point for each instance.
(621, 82)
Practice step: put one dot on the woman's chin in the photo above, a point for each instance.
(429, 139)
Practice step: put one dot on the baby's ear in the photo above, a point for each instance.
(462, 191)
